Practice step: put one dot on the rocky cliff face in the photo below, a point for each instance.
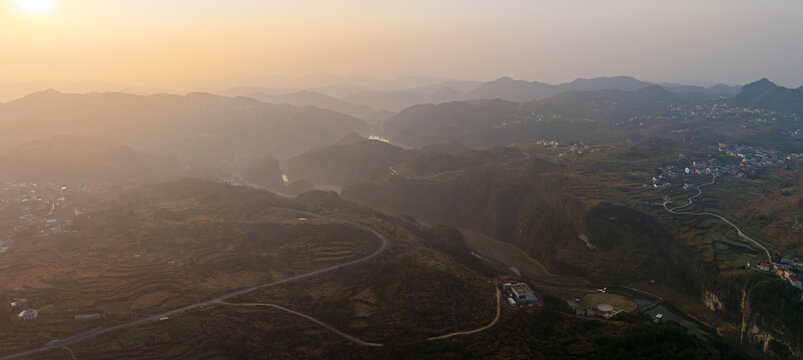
(712, 302)
(749, 331)
(764, 308)
(532, 210)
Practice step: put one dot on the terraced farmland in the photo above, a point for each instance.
(146, 263)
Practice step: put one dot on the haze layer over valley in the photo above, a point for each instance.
(272, 179)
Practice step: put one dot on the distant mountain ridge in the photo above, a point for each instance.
(321, 101)
(509, 89)
(718, 89)
(572, 115)
(517, 90)
(200, 128)
(71, 159)
(322, 80)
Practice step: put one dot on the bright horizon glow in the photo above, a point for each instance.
(35, 7)
(213, 44)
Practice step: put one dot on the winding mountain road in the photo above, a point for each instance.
(156, 318)
(700, 193)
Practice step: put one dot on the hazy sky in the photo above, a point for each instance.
(186, 43)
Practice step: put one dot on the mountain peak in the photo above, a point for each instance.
(764, 82)
(605, 78)
(765, 94)
(505, 79)
(48, 94)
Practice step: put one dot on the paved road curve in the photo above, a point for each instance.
(738, 231)
(155, 318)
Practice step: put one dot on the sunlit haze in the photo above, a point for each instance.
(212, 43)
(36, 7)
(401, 179)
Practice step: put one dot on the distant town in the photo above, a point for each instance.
(30, 207)
(750, 158)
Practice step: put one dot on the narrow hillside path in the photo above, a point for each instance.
(71, 353)
(310, 318)
(486, 327)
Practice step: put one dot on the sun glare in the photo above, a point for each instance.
(35, 7)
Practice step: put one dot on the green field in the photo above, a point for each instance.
(619, 303)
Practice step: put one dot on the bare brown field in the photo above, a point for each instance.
(148, 265)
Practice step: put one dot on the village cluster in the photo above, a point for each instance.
(29, 313)
(576, 148)
(751, 158)
(785, 269)
(718, 111)
(676, 112)
(30, 206)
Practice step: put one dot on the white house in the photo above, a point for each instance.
(28, 314)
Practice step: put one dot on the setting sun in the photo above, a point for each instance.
(35, 7)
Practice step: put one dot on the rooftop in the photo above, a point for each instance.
(521, 288)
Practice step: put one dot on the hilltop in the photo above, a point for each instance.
(764, 94)
(351, 160)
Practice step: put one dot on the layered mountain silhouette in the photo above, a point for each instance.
(572, 115)
(199, 128)
(312, 98)
(510, 89)
(517, 90)
(718, 89)
(70, 159)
